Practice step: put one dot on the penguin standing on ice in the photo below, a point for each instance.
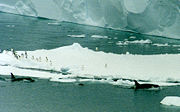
(14, 53)
(46, 59)
(26, 55)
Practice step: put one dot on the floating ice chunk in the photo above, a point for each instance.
(132, 37)
(171, 101)
(126, 42)
(85, 80)
(54, 23)
(122, 43)
(99, 36)
(176, 45)
(147, 41)
(161, 45)
(125, 83)
(77, 36)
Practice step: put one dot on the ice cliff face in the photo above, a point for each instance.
(154, 17)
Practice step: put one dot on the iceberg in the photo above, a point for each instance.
(171, 101)
(152, 17)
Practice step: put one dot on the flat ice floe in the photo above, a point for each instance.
(77, 36)
(126, 42)
(161, 45)
(171, 101)
(72, 62)
(99, 36)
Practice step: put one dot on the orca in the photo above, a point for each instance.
(13, 79)
(145, 86)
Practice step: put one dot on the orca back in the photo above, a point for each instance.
(145, 86)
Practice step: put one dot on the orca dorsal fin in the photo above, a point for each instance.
(136, 83)
(12, 76)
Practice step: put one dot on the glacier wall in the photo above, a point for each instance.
(153, 17)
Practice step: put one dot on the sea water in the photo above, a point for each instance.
(27, 34)
(45, 96)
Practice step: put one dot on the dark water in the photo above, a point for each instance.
(45, 96)
(26, 33)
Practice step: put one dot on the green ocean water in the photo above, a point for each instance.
(27, 33)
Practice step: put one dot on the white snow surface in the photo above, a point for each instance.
(83, 62)
(171, 101)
